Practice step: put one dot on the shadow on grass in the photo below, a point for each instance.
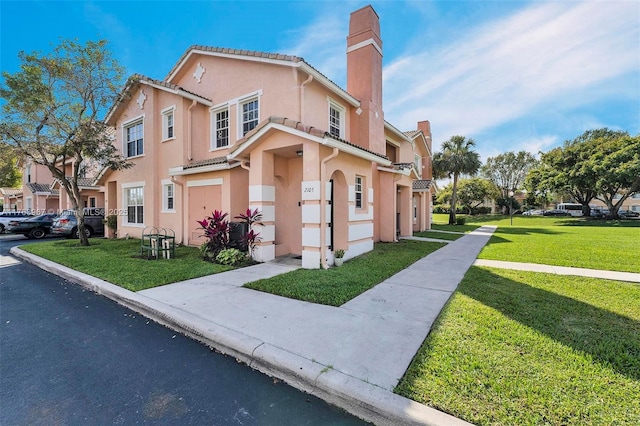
(600, 223)
(610, 339)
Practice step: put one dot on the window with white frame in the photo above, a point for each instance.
(27, 172)
(28, 204)
(250, 111)
(92, 201)
(168, 196)
(418, 162)
(359, 188)
(134, 138)
(336, 120)
(134, 204)
(168, 123)
(220, 128)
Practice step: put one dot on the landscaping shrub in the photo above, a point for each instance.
(461, 220)
(230, 257)
(217, 230)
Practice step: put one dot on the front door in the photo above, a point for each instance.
(203, 200)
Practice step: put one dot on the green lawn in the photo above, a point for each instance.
(336, 286)
(524, 348)
(118, 262)
(609, 245)
(438, 235)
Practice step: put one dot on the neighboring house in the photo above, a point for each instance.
(41, 193)
(11, 199)
(38, 196)
(632, 203)
(230, 129)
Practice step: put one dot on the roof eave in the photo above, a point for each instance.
(182, 171)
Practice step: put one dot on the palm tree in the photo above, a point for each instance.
(456, 158)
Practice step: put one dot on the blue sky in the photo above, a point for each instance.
(512, 75)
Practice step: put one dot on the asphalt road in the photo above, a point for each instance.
(69, 356)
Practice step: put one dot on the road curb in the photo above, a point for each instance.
(359, 398)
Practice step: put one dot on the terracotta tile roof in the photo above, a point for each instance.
(11, 191)
(207, 162)
(412, 133)
(39, 187)
(422, 184)
(314, 131)
(140, 77)
(136, 78)
(403, 165)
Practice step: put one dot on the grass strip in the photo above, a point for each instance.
(438, 235)
(527, 348)
(336, 286)
(119, 262)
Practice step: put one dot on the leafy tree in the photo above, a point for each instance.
(52, 108)
(444, 195)
(508, 171)
(572, 169)
(616, 164)
(456, 158)
(473, 191)
(10, 175)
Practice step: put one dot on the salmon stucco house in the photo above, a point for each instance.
(231, 129)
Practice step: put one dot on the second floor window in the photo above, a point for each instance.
(134, 139)
(28, 172)
(167, 125)
(250, 116)
(221, 138)
(336, 120)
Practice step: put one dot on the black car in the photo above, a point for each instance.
(556, 212)
(33, 227)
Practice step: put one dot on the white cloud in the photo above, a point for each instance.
(322, 44)
(550, 55)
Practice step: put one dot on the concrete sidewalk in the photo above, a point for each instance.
(561, 270)
(351, 356)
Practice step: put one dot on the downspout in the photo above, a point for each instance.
(193, 103)
(181, 185)
(245, 165)
(304, 83)
(323, 210)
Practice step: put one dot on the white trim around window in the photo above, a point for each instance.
(336, 123)
(359, 192)
(133, 204)
(168, 196)
(133, 137)
(248, 112)
(220, 127)
(168, 123)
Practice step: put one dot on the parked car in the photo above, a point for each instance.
(67, 223)
(624, 214)
(556, 212)
(6, 217)
(32, 227)
(599, 213)
(533, 212)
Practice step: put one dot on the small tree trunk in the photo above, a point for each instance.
(454, 200)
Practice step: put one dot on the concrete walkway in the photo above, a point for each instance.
(351, 356)
(561, 270)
